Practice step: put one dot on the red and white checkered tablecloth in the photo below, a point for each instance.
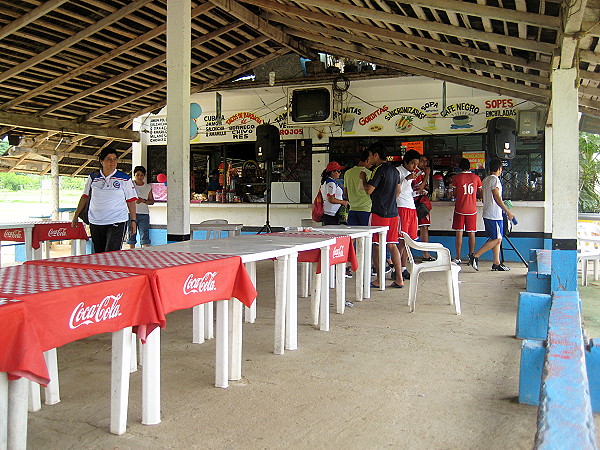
(21, 354)
(178, 280)
(66, 303)
(45, 231)
(341, 252)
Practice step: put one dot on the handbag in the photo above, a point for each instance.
(83, 214)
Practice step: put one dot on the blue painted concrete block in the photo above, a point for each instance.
(592, 361)
(533, 260)
(537, 283)
(158, 236)
(530, 373)
(564, 270)
(532, 315)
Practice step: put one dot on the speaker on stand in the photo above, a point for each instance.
(502, 137)
(268, 146)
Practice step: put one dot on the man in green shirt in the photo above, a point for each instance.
(354, 191)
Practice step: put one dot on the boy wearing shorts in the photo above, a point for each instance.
(467, 187)
(406, 203)
(383, 187)
(492, 217)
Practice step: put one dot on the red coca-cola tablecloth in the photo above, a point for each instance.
(178, 280)
(21, 353)
(45, 231)
(66, 303)
(341, 252)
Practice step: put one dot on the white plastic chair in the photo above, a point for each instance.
(213, 234)
(588, 249)
(441, 264)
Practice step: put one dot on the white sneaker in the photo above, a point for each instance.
(457, 261)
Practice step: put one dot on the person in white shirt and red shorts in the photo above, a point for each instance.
(405, 202)
(467, 188)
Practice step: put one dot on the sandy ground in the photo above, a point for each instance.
(382, 377)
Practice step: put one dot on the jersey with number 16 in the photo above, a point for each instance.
(466, 185)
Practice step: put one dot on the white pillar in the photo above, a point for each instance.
(178, 118)
(565, 158)
(548, 181)
(55, 186)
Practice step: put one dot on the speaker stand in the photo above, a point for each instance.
(266, 228)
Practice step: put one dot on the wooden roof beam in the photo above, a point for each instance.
(40, 123)
(374, 31)
(31, 16)
(419, 24)
(245, 15)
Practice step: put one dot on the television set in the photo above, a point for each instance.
(310, 106)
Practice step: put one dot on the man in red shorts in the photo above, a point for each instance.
(420, 192)
(467, 187)
(406, 203)
(383, 187)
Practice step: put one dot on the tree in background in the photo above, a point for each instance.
(589, 171)
(16, 181)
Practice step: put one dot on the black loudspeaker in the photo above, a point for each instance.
(13, 139)
(502, 137)
(267, 142)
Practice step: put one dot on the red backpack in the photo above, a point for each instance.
(317, 208)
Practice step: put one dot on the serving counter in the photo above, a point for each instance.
(250, 214)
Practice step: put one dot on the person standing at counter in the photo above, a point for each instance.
(384, 187)
(144, 198)
(333, 194)
(405, 202)
(360, 201)
(213, 184)
(493, 206)
(111, 197)
(420, 192)
(467, 187)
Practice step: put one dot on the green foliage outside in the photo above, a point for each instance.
(4, 146)
(589, 173)
(13, 181)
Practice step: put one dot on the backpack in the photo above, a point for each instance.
(317, 208)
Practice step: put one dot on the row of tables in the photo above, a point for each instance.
(112, 292)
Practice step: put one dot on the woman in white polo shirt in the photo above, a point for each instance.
(112, 199)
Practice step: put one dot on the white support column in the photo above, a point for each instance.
(565, 158)
(55, 189)
(548, 181)
(178, 118)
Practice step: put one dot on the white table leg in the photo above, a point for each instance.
(291, 316)
(46, 246)
(151, 379)
(324, 310)
(17, 414)
(235, 339)
(121, 348)
(52, 391)
(3, 410)
(367, 269)
(332, 277)
(35, 398)
(382, 260)
(281, 264)
(133, 365)
(304, 279)
(222, 346)
(250, 313)
(209, 321)
(28, 232)
(198, 331)
(359, 275)
(315, 300)
(340, 287)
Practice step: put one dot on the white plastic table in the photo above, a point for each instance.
(364, 248)
(27, 228)
(253, 248)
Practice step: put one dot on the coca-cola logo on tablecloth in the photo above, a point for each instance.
(13, 234)
(196, 285)
(108, 308)
(57, 232)
(338, 252)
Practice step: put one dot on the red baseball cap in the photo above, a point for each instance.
(333, 166)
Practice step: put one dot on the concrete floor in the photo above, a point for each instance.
(382, 377)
